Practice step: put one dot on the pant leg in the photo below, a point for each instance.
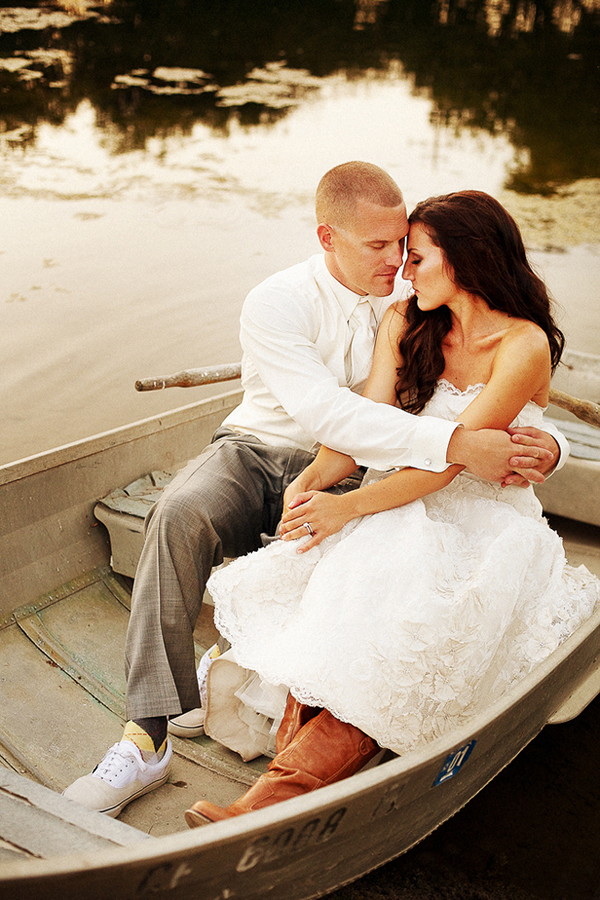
(216, 507)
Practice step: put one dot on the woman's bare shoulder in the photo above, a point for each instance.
(398, 307)
(529, 335)
(524, 351)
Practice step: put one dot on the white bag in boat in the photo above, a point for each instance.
(243, 712)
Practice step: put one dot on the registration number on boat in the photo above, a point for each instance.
(290, 840)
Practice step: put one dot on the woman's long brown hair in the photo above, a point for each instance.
(485, 255)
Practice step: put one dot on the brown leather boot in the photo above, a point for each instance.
(325, 750)
(295, 716)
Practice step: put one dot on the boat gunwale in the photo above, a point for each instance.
(255, 823)
(114, 437)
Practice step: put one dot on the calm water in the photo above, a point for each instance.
(159, 159)
(157, 163)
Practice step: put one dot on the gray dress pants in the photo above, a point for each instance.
(217, 506)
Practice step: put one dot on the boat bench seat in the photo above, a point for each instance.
(38, 822)
(123, 512)
(584, 439)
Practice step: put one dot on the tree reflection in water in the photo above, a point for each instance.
(150, 69)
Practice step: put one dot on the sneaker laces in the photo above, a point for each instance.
(117, 761)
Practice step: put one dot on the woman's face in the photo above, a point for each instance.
(427, 271)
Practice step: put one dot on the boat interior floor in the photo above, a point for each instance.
(58, 721)
(63, 705)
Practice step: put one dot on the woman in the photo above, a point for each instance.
(418, 599)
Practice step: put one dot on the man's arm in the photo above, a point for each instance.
(277, 335)
(551, 438)
(521, 463)
(534, 454)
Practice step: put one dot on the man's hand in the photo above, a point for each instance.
(490, 454)
(522, 463)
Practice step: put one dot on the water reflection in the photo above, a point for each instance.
(149, 69)
(158, 160)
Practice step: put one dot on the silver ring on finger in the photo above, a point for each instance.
(309, 528)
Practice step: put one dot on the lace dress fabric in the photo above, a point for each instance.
(407, 622)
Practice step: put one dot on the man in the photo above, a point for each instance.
(307, 336)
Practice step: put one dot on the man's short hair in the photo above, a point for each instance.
(341, 187)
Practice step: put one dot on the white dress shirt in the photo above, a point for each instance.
(300, 378)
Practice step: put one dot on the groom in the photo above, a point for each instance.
(307, 335)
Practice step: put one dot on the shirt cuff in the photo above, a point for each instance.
(563, 445)
(430, 444)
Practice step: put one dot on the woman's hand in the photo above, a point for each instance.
(325, 513)
(328, 468)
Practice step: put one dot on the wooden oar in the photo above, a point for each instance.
(585, 410)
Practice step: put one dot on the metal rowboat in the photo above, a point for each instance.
(63, 614)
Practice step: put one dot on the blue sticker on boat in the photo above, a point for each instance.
(454, 761)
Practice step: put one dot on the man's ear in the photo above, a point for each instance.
(325, 235)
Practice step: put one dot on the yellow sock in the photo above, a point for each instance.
(142, 740)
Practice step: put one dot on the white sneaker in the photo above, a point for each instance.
(122, 776)
(189, 724)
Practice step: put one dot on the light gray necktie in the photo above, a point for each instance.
(360, 350)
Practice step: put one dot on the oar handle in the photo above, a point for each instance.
(585, 410)
(192, 377)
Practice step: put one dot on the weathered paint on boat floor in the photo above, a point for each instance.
(70, 644)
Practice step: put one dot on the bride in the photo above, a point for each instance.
(396, 611)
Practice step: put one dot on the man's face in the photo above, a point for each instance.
(366, 255)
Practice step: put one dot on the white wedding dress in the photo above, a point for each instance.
(409, 621)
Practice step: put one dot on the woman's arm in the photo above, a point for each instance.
(520, 372)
